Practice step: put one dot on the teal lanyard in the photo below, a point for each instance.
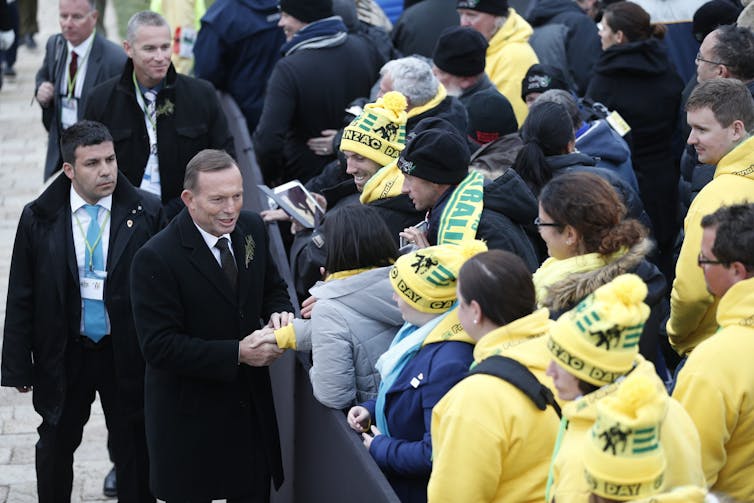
(152, 122)
(558, 441)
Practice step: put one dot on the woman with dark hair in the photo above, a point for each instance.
(490, 442)
(354, 318)
(549, 150)
(590, 242)
(635, 78)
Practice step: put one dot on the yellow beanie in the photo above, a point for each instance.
(379, 133)
(426, 278)
(683, 494)
(623, 457)
(598, 340)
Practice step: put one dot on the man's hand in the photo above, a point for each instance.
(307, 306)
(277, 215)
(359, 419)
(367, 438)
(45, 93)
(415, 236)
(259, 348)
(322, 145)
(278, 320)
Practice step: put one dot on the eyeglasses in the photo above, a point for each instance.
(701, 261)
(699, 58)
(539, 223)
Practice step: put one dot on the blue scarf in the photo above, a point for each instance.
(407, 342)
(328, 32)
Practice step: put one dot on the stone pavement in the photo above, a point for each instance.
(23, 144)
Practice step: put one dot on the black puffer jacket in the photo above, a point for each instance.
(509, 207)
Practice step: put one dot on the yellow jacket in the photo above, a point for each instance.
(489, 441)
(716, 387)
(692, 308)
(678, 436)
(509, 56)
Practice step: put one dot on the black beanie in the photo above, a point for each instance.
(307, 11)
(540, 78)
(490, 116)
(712, 15)
(494, 7)
(438, 154)
(460, 51)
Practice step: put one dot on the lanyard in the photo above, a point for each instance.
(91, 247)
(72, 81)
(143, 104)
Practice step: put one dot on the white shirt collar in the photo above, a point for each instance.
(77, 201)
(83, 48)
(212, 240)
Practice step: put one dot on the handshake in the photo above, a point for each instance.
(260, 348)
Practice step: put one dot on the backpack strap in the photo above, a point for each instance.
(519, 376)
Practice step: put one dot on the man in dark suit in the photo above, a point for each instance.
(69, 330)
(201, 288)
(76, 60)
(159, 118)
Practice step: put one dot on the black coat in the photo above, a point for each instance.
(307, 93)
(638, 81)
(420, 25)
(43, 314)
(194, 122)
(104, 62)
(210, 422)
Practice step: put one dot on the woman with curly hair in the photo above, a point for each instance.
(590, 242)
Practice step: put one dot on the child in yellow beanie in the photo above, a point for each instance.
(594, 347)
(429, 355)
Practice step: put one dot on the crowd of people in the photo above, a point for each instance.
(533, 279)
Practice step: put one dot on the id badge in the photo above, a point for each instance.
(92, 288)
(69, 112)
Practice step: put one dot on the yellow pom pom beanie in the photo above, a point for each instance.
(426, 278)
(379, 133)
(598, 340)
(623, 457)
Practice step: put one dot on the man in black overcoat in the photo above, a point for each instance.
(201, 289)
(53, 343)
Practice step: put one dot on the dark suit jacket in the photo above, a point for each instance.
(43, 314)
(191, 120)
(210, 422)
(105, 61)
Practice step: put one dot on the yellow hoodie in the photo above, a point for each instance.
(678, 436)
(692, 308)
(716, 387)
(489, 441)
(509, 56)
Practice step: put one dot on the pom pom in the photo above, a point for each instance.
(633, 395)
(471, 248)
(394, 102)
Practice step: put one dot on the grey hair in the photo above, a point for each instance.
(143, 18)
(413, 78)
(566, 99)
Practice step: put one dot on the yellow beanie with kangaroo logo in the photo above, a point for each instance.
(379, 133)
(426, 278)
(623, 457)
(598, 340)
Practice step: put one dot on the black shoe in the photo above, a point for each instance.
(30, 43)
(110, 487)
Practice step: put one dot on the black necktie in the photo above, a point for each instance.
(227, 262)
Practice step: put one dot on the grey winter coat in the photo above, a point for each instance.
(352, 324)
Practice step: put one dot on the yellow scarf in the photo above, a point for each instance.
(449, 329)
(346, 274)
(553, 270)
(384, 184)
(460, 217)
(441, 94)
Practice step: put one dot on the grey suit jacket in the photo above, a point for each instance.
(106, 60)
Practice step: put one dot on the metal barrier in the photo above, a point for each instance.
(323, 459)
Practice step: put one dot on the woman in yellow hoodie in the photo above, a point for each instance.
(490, 442)
(593, 347)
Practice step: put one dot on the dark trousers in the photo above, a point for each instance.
(90, 371)
(27, 14)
